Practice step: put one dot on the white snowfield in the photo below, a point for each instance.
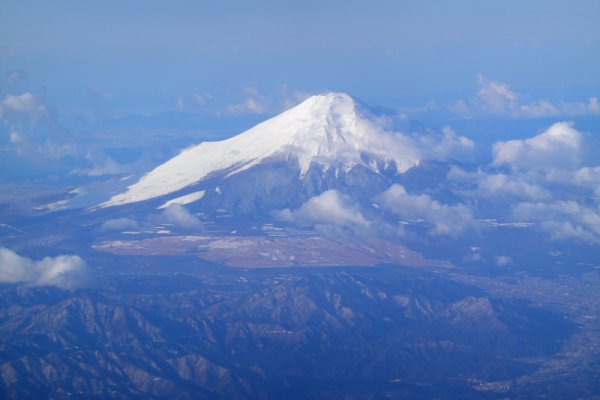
(328, 129)
(183, 200)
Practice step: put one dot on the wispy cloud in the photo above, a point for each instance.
(503, 261)
(32, 129)
(497, 98)
(100, 103)
(291, 97)
(245, 101)
(101, 165)
(13, 79)
(27, 104)
(119, 224)
(445, 146)
(253, 102)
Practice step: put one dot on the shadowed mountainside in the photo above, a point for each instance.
(266, 334)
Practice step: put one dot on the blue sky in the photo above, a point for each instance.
(147, 55)
(74, 76)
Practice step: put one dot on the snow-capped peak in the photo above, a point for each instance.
(332, 130)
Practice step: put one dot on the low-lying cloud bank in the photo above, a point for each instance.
(537, 183)
(329, 212)
(445, 219)
(65, 271)
(174, 215)
(119, 224)
(563, 219)
(541, 180)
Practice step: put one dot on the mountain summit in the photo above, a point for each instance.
(332, 130)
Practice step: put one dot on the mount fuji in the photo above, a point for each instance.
(329, 141)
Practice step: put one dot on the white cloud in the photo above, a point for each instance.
(180, 104)
(14, 77)
(26, 103)
(430, 106)
(119, 224)
(445, 219)
(291, 98)
(593, 105)
(202, 98)
(254, 103)
(563, 219)
(496, 186)
(516, 187)
(586, 177)
(460, 107)
(16, 138)
(497, 98)
(446, 146)
(175, 214)
(65, 271)
(32, 129)
(99, 102)
(503, 261)
(248, 106)
(178, 215)
(101, 165)
(545, 184)
(537, 109)
(329, 209)
(474, 258)
(544, 108)
(558, 146)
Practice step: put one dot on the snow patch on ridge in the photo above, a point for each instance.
(187, 199)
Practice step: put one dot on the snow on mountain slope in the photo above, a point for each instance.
(187, 199)
(332, 130)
